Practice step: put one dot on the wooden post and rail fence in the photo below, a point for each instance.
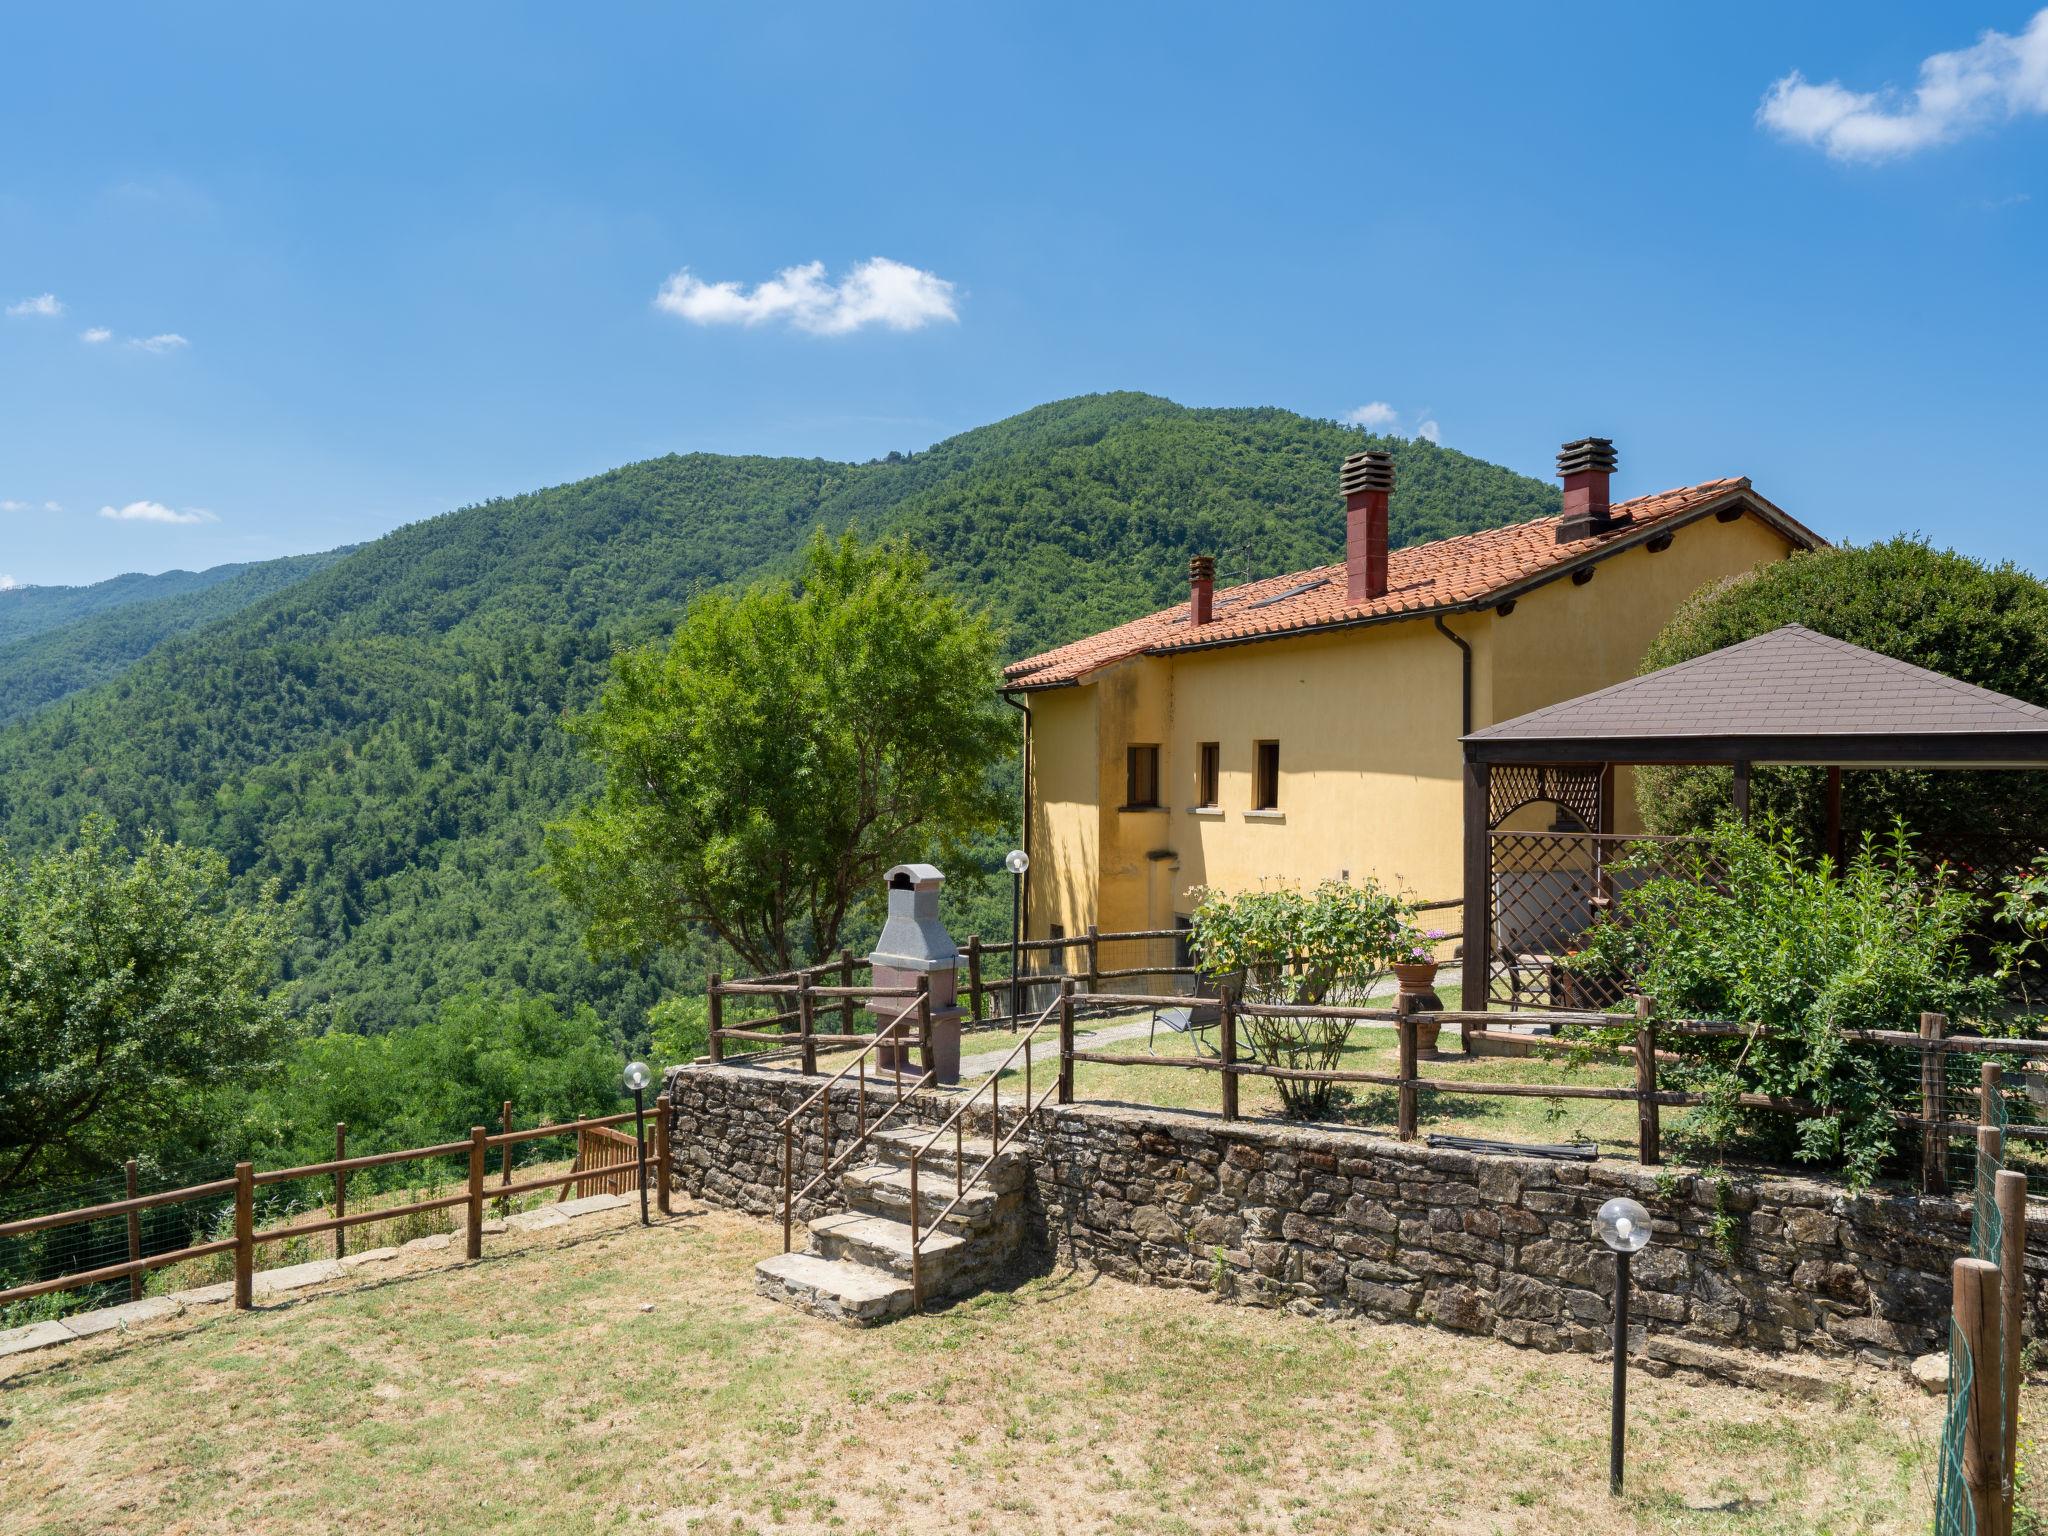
(605, 1157)
(1643, 1042)
(1989, 1302)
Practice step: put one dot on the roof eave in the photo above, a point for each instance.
(1866, 749)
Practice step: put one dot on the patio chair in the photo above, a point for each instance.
(1203, 1011)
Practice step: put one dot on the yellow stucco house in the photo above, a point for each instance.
(1307, 726)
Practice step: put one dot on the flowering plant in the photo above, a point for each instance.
(1419, 948)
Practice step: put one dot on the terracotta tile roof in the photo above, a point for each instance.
(1792, 682)
(1473, 570)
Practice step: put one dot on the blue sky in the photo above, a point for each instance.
(358, 267)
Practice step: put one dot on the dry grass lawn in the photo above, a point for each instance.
(629, 1380)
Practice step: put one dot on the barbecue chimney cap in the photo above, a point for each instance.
(1588, 453)
(1372, 470)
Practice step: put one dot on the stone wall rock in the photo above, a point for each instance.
(1350, 1222)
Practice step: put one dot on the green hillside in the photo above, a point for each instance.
(86, 635)
(385, 734)
(26, 611)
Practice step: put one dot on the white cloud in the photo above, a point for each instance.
(169, 341)
(13, 506)
(43, 304)
(876, 292)
(93, 335)
(1996, 79)
(53, 506)
(1375, 413)
(8, 584)
(156, 512)
(1430, 432)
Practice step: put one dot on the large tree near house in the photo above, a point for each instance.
(132, 989)
(784, 748)
(1904, 598)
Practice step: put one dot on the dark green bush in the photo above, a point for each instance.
(1756, 932)
(1903, 598)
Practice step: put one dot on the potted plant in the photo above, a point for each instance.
(1415, 961)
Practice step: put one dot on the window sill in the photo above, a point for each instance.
(1213, 812)
(1265, 816)
(1141, 810)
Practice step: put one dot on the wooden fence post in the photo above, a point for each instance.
(974, 975)
(1976, 1312)
(245, 1236)
(477, 1150)
(714, 1018)
(1226, 1047)
(1933, 1134)
(662, 1111)
(2012, 1308)
(134, 1228)
(1066, 1092)
(340, 1188)
(927, 1061)
(1094, 958)
(1410, 1097)
(806, 1022)
(846, 980)
(1648, 1151)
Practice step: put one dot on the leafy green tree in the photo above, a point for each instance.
(131, 990)
(787, 746)
(1986, 625)
(427, 1083)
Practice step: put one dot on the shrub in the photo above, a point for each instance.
(1295, 947)
(1782, 941)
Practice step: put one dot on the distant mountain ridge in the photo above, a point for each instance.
(384, 735)
(75, 637)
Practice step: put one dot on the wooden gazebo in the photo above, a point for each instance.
(1788, 697)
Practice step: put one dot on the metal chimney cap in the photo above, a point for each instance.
(1588, 453)
(1372, 470)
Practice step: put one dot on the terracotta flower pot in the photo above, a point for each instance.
(1426, 1032)
(1417, 976)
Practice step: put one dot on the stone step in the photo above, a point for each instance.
(845, 1292)
(893, 1145)
(882, 1242)
(883, 1189)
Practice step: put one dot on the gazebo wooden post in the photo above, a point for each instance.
(1478, 914)
(1741, 796)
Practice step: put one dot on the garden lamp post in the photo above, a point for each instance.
(1623, 1226)
(637, 1079)
(1016, 861)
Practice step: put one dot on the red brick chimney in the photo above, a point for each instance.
(1367, 481)
(1586, 466)
(1201, 590)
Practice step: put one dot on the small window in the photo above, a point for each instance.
(1208, 774)
(1266, 781)
(1141, 776)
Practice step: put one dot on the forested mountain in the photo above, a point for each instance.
(385, 735)
(26, 611)
(68, 638)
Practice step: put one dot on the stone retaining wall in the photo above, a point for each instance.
(725, 1148)
(1356, 1223)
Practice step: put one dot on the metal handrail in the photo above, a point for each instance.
(866, 1131)
(881, 1035)
(953, 1123)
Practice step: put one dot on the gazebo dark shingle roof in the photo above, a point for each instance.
(1788, 696)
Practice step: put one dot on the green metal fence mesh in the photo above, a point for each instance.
(1953, 1515)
